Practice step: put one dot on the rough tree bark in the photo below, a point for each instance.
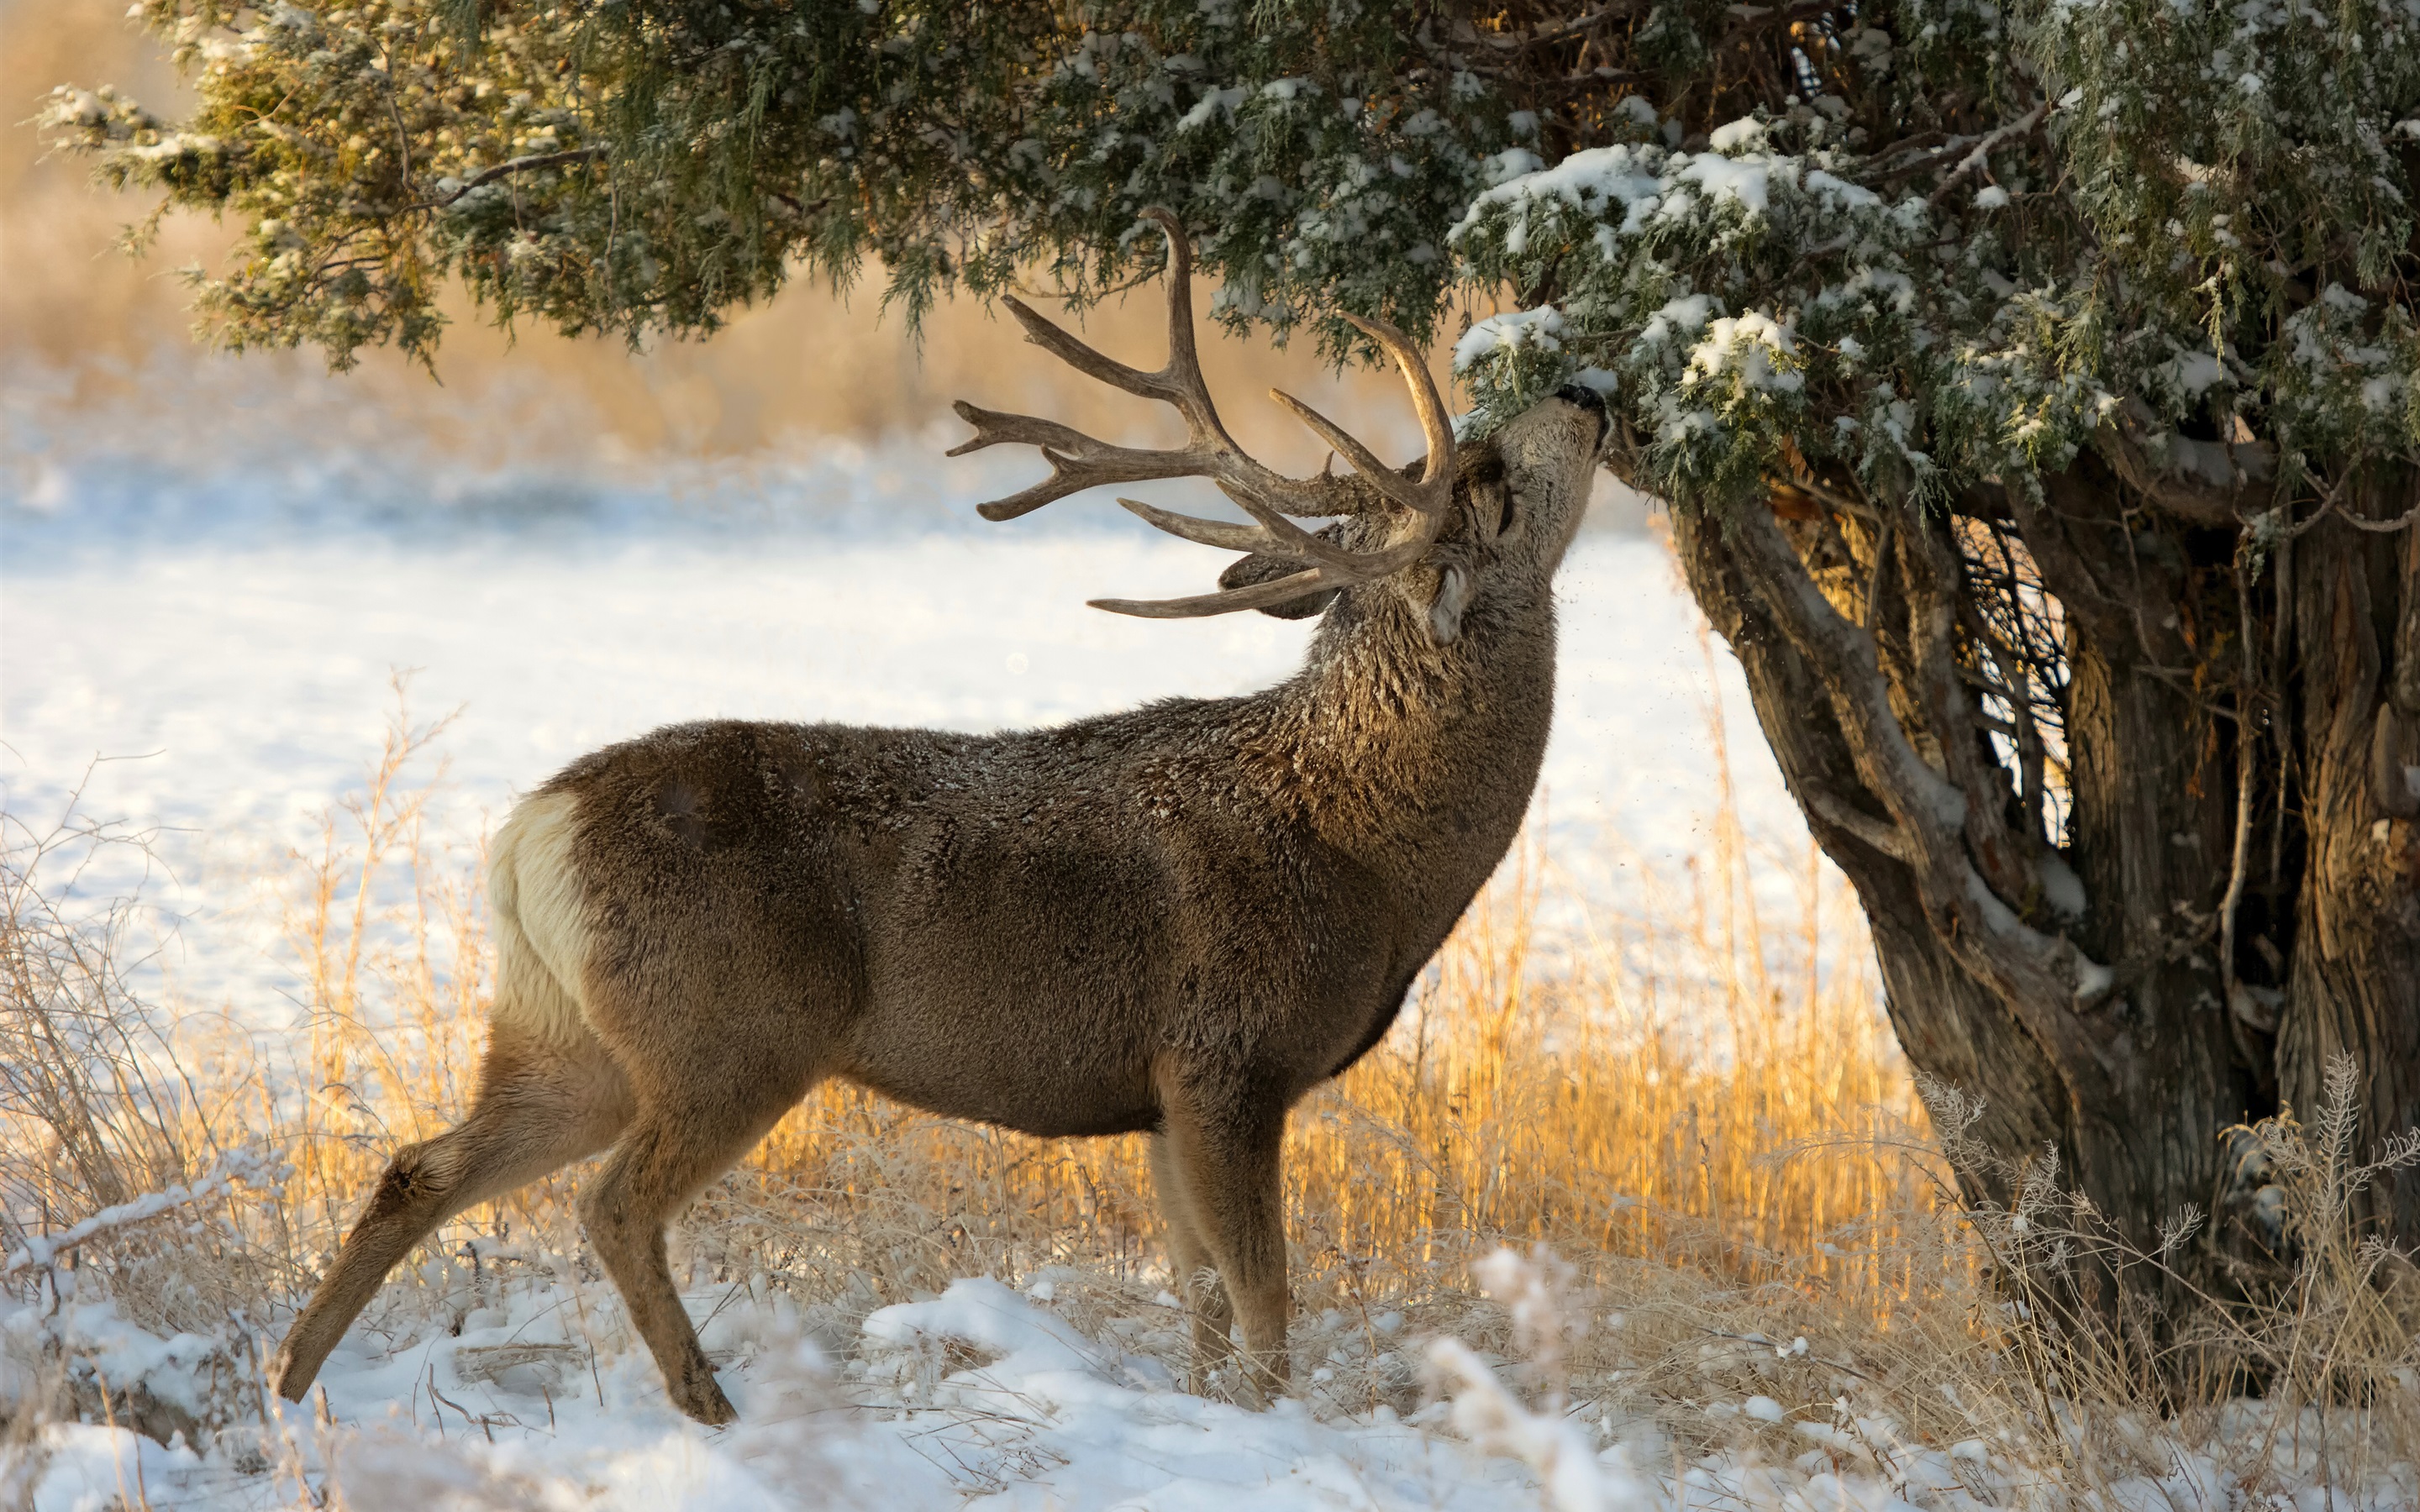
(2115, 1025)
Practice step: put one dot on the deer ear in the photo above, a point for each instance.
(1257, 568)
(1453, 598)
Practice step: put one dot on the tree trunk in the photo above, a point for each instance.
(2201, 689)
(2354, 621)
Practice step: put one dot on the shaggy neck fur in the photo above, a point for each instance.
(1389, 744)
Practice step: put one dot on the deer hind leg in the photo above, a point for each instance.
(1224, 1146)
(682, 1137)
(1191, 1265)
(540, 1105)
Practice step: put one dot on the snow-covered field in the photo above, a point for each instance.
(982, 1398)
(226, 640)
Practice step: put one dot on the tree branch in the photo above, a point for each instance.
(2202, 483)
(1992, 143)
(2043, 978)
(1561, 31)
(1929, 568)
(2064, 571)
(506, 170)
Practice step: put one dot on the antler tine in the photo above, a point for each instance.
(1053, 338)
(1436, 424)
(1274, 535)
(1077, 460)
(1224, 534)
(1414, 496)
(1227, 600)
(1184, 366)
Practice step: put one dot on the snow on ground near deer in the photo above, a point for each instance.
(982, 1398)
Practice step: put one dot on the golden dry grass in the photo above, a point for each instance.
(1631, 1085)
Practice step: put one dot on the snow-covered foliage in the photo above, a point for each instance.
(650, 167)
(1937, 238)
(2154, 211)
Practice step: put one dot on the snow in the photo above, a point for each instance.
(1741, 180)
(1753, 346)
(42, 1249)
(982, 1399)
(1585, 181)
(988, 1401)
(1738, 136)
(2061, 886)
(977, 1397)
(1020, 1412)
(2196, 371)
(989, 1315)
(1537, 329)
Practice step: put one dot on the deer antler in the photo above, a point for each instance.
(1079, 461)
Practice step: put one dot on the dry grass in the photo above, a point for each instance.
(1691, 1099)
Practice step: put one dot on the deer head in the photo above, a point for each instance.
(1424, 532)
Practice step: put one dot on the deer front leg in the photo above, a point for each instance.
(1224, 1144)
(1193, 1267)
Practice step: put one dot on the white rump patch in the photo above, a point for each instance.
(541, 928)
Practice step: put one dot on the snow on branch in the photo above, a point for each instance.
(236, 1167)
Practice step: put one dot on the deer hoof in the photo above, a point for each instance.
(283, 1378)
(698, 1395)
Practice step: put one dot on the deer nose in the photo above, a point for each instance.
(1581, 396)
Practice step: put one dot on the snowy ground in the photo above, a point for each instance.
(982, 1398)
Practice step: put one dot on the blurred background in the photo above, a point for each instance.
(102, 328)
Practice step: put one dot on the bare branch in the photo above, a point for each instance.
(1880, 834)
(1992, 141)
(2031, 971)
(506, 170)
(1561, 31)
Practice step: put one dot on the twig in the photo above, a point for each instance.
(42, 1251)
(1522, 42)
(1882, 544)
(1983, 149)
(506, 170)
(2243, 739)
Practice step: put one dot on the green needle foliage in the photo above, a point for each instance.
(648, 166)
(1930, 237)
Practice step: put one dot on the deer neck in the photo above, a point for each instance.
(1402, 750)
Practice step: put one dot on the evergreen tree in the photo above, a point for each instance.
(2035, 384)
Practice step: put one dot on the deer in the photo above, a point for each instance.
(1177, 920)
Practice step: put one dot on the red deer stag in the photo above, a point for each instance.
(1178, 920)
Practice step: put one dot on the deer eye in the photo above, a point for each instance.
(1504, 519)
